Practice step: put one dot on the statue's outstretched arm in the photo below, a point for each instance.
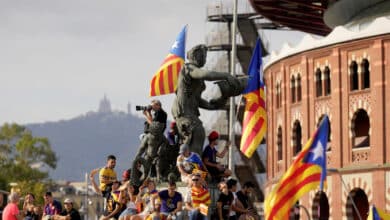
(213, 103)
(209, 75)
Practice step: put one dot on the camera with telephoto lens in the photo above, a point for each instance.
(143, 108)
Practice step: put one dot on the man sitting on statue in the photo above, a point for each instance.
(154, 112)
(189, 163)
(210, 155)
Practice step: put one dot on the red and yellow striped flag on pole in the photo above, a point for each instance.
(255, 115)
(307, 172)
(164, 80)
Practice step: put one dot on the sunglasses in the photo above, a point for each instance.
(195, 179)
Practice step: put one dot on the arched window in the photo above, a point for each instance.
(358, 199)
(320, 208)
(280, 144)
(327, 81)
(292, 86)
(297, 137)
(365, 74)
(354, 81)
(361, 128)
(318, 82)
(299, 88)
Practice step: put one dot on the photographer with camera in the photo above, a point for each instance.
(153, 112)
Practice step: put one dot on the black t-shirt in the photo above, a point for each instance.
(73, 213)
(244, 199)
(226, 201)
(111, 205)
(159, 116)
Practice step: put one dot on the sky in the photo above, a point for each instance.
(59, 58)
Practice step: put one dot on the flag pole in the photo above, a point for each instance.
(232, 103)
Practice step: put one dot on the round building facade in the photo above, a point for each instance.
(345, 75)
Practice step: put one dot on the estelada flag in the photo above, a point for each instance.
(307, 172)
(164, 80)
(255, 115)
(378, 214)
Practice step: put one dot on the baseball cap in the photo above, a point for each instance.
(172, 125)
(126, 174)
(68, 200)
(183, 148)
(213, 136)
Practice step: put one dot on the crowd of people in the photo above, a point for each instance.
(52, 210)
(126, 199)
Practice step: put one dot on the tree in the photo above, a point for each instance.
(20, 152)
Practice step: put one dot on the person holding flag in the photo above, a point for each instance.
(307, 172)
(189, 163)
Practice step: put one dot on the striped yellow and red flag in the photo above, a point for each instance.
(164, 80)
(307, 172)
(255, 115)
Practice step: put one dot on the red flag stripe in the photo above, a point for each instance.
(169, 58)
(290, 195)
(253, 133)
(161, 81)
(152, 87)
(170, 78)
(297, 172)
(249, 112)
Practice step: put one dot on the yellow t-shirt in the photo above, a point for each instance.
(106, 175)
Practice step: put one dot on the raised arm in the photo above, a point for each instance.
(224, 151)
(92, 179)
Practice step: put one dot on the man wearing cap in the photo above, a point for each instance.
(189, 162)
(210, 154)
(173, 135)
(69, 213)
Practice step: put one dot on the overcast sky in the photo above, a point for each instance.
(58, 58)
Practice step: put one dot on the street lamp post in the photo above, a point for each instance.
(334, 170)
(86, 196)
(304, 209)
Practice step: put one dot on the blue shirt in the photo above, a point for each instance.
(54, 208)
(210, 154)
(169, 204)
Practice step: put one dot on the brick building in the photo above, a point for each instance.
(346, 76)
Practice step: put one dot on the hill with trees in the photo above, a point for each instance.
(83, 143)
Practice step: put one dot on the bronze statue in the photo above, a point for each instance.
(156, 152)
(191, 84)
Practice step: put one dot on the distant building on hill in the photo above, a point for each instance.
(129, 108)
(104, 105)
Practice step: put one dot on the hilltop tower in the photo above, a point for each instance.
(104, 105)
